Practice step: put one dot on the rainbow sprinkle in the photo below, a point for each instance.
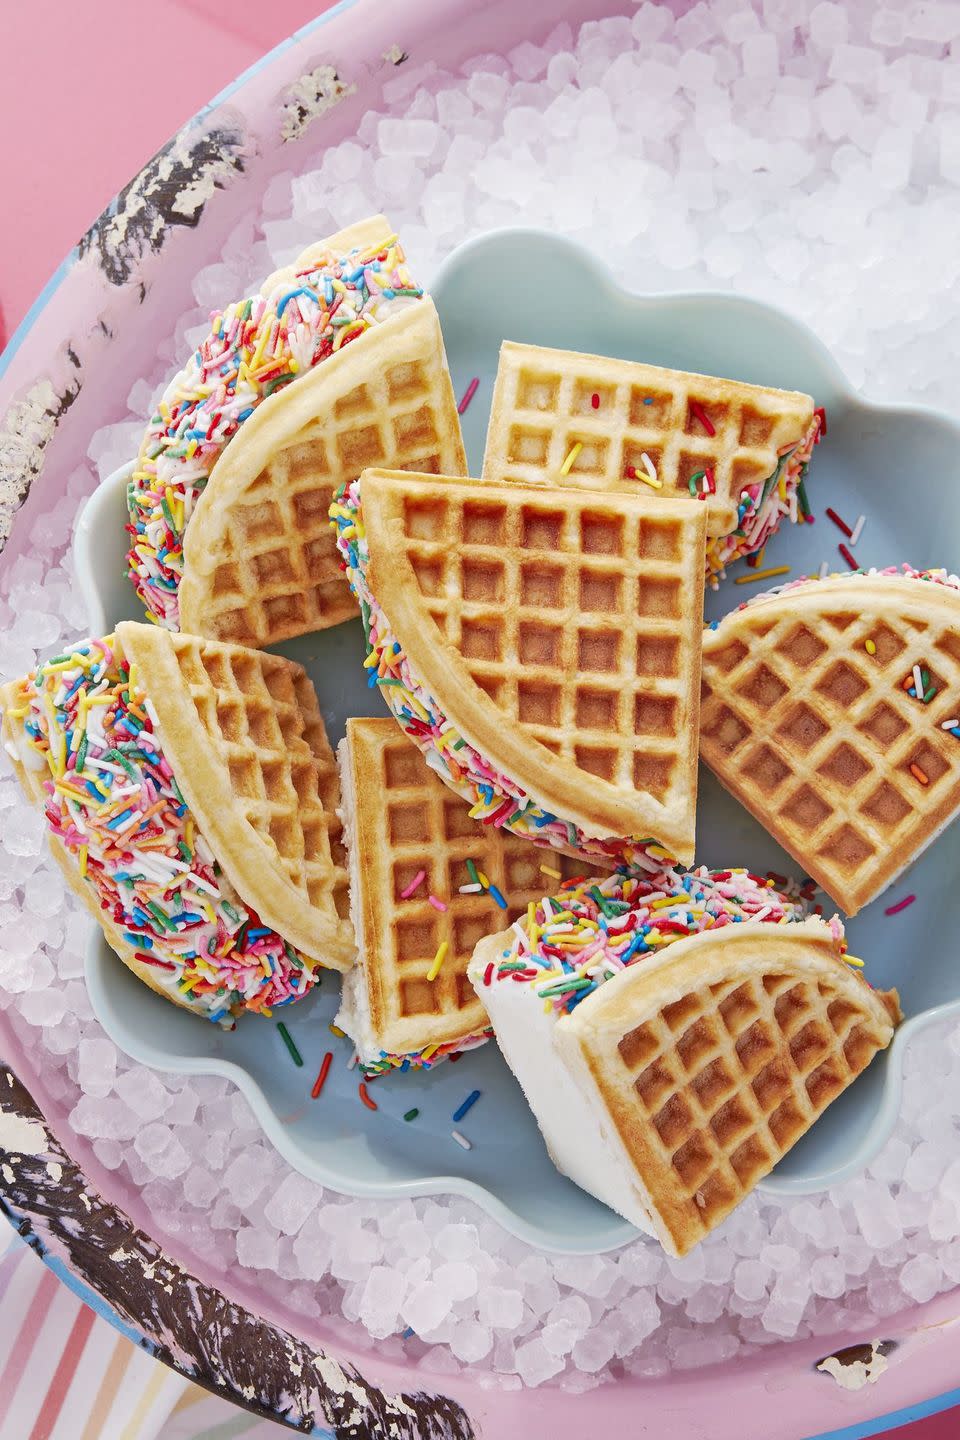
(572, 943)
(494, 799)
(113, 802)
(764, 504)
(254, 348)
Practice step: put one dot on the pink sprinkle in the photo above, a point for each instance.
(417, 880)
(900, 905)
(437, 904)
(468, 394)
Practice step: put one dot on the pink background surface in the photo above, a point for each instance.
(94, 92)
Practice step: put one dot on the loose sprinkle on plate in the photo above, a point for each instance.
(468, 394)
(466, 1105)
(840, 523)
(364, 1096)
(900, 905)
(762, 575)
(287, 1039)
(412, 1114)
(461, 1140)
(320, 1081)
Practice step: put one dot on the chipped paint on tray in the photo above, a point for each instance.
(183, 1321)
(172, 189)
(25, 432)
(857, 1365)
(311, 96)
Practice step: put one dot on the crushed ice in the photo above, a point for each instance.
(808, 154)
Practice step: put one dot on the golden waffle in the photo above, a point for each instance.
(260, 564)
(713, 1059)
(244, 736)
(401, 819)
(559, 631)
(818, 738)
(671, 1090)
(543, 407)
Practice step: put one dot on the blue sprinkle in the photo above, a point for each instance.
(118, 820)
(462, 1109)
(500, 901)
(648, 400)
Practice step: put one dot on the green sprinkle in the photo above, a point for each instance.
(56, 660)
(159, 916)
(802, 497)
(412, 1114)
(459, 744)
(167, 512)
(561, 987)
(287, 1039)
(177, 791)
(382, 680)
(233, 914)
(276, 382)
(185, 852)
(517, 815)
(82, 753)
(928, 696)
(472, 870)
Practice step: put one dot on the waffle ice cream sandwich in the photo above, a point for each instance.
(191, 798)
(542, 647)
(336, 364)
(426, 884)
(675, 1035)
(742, 450)
(811, 717)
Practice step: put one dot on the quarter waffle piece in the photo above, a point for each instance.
(542, 647)
(192, 798)
(338, 363)
(426, 884)
(562, 417)
(680, 1079)
(810, 717)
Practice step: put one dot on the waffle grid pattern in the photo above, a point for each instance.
(277, 572)
(610, 693)
(727, 1079)
(817, 737)
(419, 825)
(264, 713)
(543, 407)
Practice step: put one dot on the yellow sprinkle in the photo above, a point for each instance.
(664, 902)
(650, 480)
(762, 575)
(574, 452)
(548, 871)
(852, 960)
(192, 449)
(483, 880)
(371, 660)
(83, 860)
(870, 647)
(547, 1005)
(430, 1050)
(187, 985)
(658, 852)
(438, 959)
(335, 1030)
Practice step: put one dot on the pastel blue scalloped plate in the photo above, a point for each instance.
(895, 464)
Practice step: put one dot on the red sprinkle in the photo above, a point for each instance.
(848, 557)
(698, 411)
(318, 1084)
(488, 973)
(468, 394)
(900, 905)
(595, 401)
(821, 415)
(840, 524)
(370, 1104)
